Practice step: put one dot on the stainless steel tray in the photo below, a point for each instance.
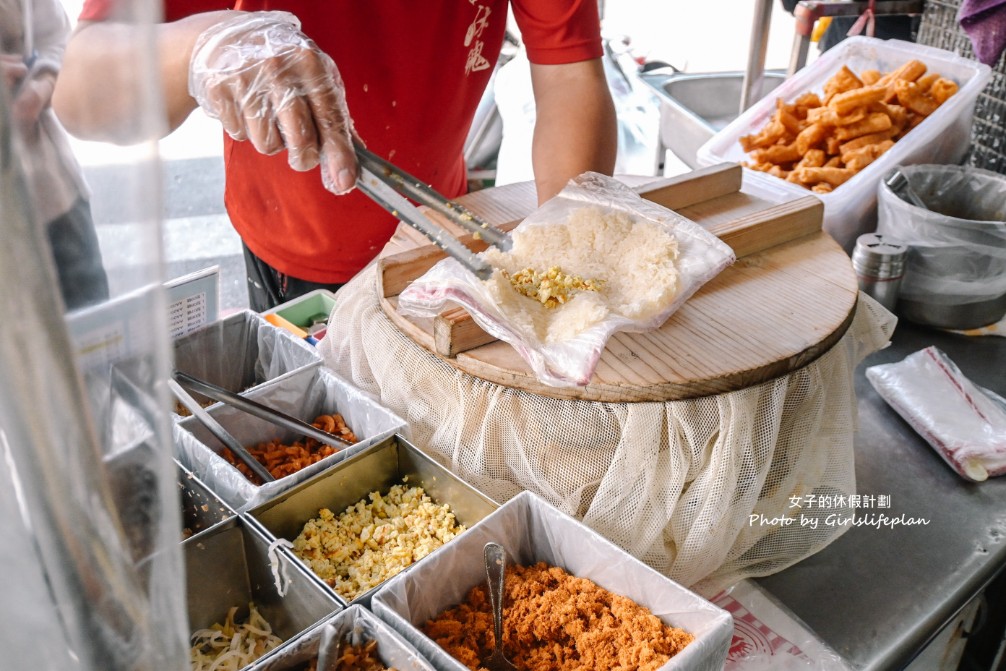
(304, 395)
(242, 352)
(229, 566)
(201, 508)
(531, 530)
(375, 469)
(358, 625)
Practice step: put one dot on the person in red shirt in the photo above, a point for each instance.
(403, 77)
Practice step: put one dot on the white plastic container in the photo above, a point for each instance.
(851, 209)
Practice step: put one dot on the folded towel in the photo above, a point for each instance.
(984, 21)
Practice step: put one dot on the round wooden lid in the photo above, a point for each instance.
(771, 312)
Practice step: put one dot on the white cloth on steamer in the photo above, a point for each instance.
(673, 483)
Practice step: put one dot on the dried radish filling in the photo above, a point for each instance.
(560, 279)
(232, 645)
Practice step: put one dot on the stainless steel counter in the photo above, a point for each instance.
(878, 595)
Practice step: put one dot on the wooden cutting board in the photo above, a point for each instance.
(787, 299)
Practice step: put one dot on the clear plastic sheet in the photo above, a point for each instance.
(356, 625)
(530, 530)
(571, 361)
(305, 395)
(964, 423)
(957, 247)
(89, 514)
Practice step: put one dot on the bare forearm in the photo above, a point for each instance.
(104, 88)
(575, 127)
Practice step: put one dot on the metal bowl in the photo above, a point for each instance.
(960, 316)
(694, 107)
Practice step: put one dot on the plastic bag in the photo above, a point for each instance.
(242, 352)
(964, 423)
(567, 356)
(957, 247)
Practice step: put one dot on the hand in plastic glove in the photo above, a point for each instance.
(269, 83)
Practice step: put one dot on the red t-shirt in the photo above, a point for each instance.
(414, 74)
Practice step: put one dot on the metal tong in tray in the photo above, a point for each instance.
(388, 186)
(253, 408)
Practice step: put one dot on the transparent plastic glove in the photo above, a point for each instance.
(269, 83)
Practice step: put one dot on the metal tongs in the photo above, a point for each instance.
(256, 409)
(219, 432)
(389, 186)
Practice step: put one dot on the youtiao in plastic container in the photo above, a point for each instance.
(943, 137)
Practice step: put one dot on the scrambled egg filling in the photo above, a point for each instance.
(552, 287)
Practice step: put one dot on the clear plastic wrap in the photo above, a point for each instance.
(964, 423)
(305, 395)
(570, 360)
(89, 511)
(957, 247)
(530, 530)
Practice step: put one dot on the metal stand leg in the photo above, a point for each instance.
(756, 56)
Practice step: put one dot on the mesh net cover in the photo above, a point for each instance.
(673, 483)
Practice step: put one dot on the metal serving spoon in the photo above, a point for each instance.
(495, 557)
